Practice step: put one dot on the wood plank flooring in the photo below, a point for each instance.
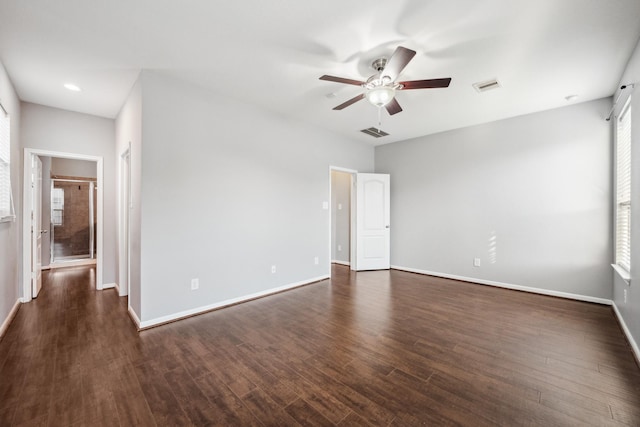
(384, 348)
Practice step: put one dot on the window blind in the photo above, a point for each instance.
(623, 188)
(6, 209)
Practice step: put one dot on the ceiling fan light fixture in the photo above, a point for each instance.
(380, 95)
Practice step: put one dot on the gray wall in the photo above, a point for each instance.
(52, 129)
(531, 196)
(10, 249)
(228, 190)
(630, 310)
(340, 216)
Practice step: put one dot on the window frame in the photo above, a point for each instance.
(7, 210)
(623, 206)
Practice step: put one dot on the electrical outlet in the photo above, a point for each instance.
(273, 269)
(195, 284)
(339, 248)
(476, 262)
(625, 296)
(315, 260)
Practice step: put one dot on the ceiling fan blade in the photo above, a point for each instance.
(426, 84)
(349, 102)
(393, 107)
(397, 62)
(342, 80)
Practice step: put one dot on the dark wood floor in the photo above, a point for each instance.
(376, 348)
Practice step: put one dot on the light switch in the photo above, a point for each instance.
(339, 206)
(325, 205)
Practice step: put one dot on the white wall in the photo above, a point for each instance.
(530, 196)
(630, 310)
(229, 190)
(340, 216)
(10, 259)
(129, 134)
(52, 129)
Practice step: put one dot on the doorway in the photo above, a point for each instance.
(124, 223)
(73, 220)
(360, 219)
(341, 220)
(31, 229)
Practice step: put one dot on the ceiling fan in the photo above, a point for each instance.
(380, 88)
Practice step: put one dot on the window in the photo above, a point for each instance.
(623, 188)
(57, 206)
(6, 208)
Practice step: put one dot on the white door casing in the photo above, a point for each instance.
(373, 215)
(27, 252)
(36, 225)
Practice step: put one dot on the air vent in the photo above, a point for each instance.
(376, 133)
(488, 85)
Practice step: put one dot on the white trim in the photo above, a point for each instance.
(134, 317)
(9, 319)
(627, 332)
(203, 309)
(76, 263)
(26, 209)
(624, 274)
(540, 291)
(115, 285)
(108, 286)
(335, 261)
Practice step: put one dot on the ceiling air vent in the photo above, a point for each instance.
(376, 133)
(488, 85)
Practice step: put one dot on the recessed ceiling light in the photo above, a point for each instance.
(72, 87)
(570, 98)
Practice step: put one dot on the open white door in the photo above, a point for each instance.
(36, 225)
(373, 246)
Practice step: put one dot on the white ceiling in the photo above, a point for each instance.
(271, 54)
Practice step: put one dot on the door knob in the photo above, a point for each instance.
(44, 231)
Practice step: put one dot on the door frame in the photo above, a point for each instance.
(26, 210)
(352, 213)
(124, 223)
(36, 226)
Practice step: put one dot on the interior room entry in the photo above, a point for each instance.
(341, 217)
(73, 219)
(360, 220)
(50, 166)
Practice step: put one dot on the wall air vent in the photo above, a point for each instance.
(375, 132)
(488, 85)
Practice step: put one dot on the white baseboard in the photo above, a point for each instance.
(134, 317)
(108, 286)
(559, 294)
(199, 310)
(115, 285)
(9, 319)
(627, 332)
(335, 261)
